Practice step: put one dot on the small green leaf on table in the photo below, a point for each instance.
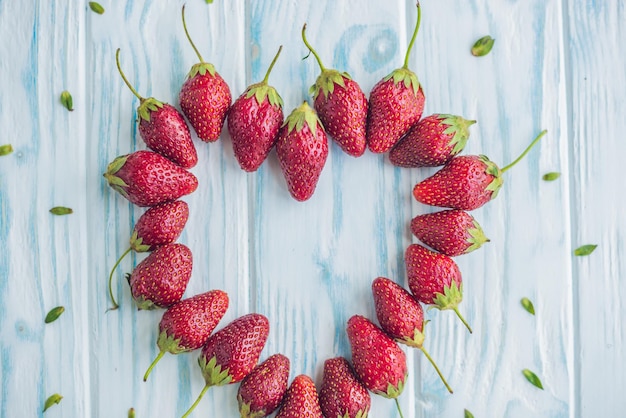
(6, 149)
(551, 176)
(585, 249)
(61, 210)
(482, 46)
(532, 378)
(131, 413)
(528, 305)
(468, 414)
(52, 400)
(96, 7)
(67, 101)
(54, 314)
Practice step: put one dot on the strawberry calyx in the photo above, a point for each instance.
(262, 91)
(302, 115)
(144, 304)
(201, 68)
(417, 340)
(459, 128)
(476, 237)
(114, 181)
(213, 373)
(148, 106)
(450, 298)
(136, 243)
(326, 82)
(493, 170)
(392, 391)
(169, 343)
(245, 409)
(405, 76)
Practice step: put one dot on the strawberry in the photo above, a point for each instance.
(302, 149)
(160, 280)
(466, 182)
(451, 232)
(401, 317)
(159, 225)
(254, 121)
(341, 394)
(163, 128)
(432, 141)
(230, 354)
(341, 106)
(204, 97)
(396, 103)
(146, 178)
(261, 392)
(434, 279)
(301, 400)
(378, 361)
(186, 325)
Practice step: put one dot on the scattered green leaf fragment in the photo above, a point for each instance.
(54, 314)
(6, 149)
(60, 210)
(532, 378)
(585, 249)
(482, 46)
(66, 99)
(52, 400)
(551, 176)
(528, 305)
(96, 7)
(209, 1)
(468, 414)
(131, 413)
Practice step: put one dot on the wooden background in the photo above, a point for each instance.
(558, 65)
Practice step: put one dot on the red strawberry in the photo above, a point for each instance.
(301, 400)
(401, 317)
(163, 128)
(302, 149)
(186, 325)
(451, 232)
(160, 280)
(146, 178)
(159, 225)
(434, 279)
(204, 97)
(432, 141)
(254, 121)
(230, 354)
(341, 106)
(466, 182)
(342, 395)
(261, 392)
(378, 361)
(396, 103)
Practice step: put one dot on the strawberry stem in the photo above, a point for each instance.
(417, 27)
(398, 406)
(269, 70)
(189, 37)
(523, 154)
(119, 68)
(190, 410)
(456, 310)
(443, 379)
(117, 263)
(156, 360)
(317, 57)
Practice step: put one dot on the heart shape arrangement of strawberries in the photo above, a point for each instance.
(390, 121)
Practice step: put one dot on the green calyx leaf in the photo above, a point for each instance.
(492, 169)
(52, 400)
(116, 164)
(326, 82)
(116, 182)
(393, 391)
(246, 412)
(459, 128)
(585, 249)
(148, 106)
(302, 115)
(417, 340)
(67, 101)
(468, 414)
(6, 149)
(532, 378)
(61, 210)
(476, 238)
(201, 68)
(96, 7)
(450, 298)
(261, 91)
(144, 304)
(213, 373)
(482, 46)
(406, 76)
(551, 176)
(169, 343)
(136, 243)
(528, 305)
(54, 314)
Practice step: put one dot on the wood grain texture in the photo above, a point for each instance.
(556, 65)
